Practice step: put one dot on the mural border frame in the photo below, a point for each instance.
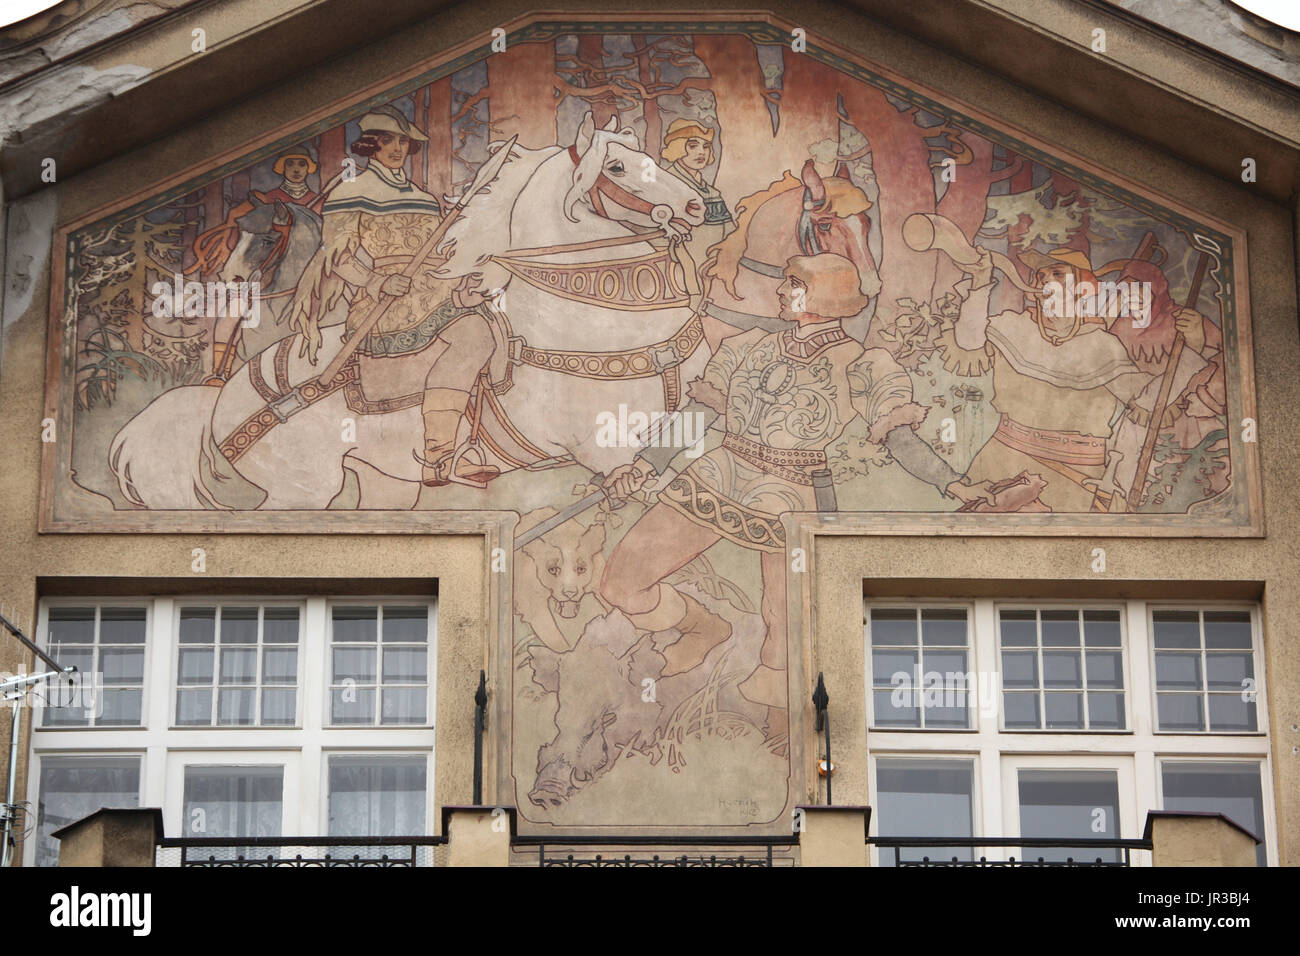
(762, 27)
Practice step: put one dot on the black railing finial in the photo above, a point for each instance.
(480, 716)
(822, 702)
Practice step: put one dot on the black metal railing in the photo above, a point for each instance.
(1073, 852)
(639, 851)
(300, 851)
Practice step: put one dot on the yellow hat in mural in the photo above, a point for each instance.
(685, 129)
(389, 119)
(1070, 257)
(278, 168)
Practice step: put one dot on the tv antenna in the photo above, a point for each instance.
(15, 689)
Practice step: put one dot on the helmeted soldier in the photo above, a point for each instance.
(785, 397)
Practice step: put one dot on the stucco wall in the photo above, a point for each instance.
(1267, 567)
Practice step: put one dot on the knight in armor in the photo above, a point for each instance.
(785, 397)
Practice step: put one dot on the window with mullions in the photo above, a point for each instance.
(1062, 669)
(1205, 671)
(379, 664)
(920, 667)
(237, 666)
(106, 645)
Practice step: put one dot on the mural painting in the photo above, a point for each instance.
(662, 291)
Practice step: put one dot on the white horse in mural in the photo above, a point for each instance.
(603, 188)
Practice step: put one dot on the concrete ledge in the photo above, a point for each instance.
(833, 836)
(478, 836)
(111, 836)
(1198, 838)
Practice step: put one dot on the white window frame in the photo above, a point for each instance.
(179, 605)
(1123, 765)
(977, 797)
(1038, 607)
(1257, 656)
(1265, 767)
(430, 701)
(972, 693)
(43, 640)
(160, 744)
(324, 783)
(1140, 743)
(36, 769)
(291, 794)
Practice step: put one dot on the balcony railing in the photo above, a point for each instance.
(912, 851)
(299, 851)
(640, 851)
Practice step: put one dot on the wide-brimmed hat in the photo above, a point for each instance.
(683, 128)
(389, 119)
(278, 168)
(1060, 256)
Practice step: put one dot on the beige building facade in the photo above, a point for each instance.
(289, 546)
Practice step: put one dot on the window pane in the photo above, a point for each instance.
(279, 706)
(893, 627)
(236, 706)
(1062, 669)
(352, 705)
(280, 625)
(404, 705)
(194, 665)
(122, 665)
(1105, 669)
(279, 665)
(1064, 711)
(355, 623)
(1228, 712)
(72, 625)
(943, 627)
(405, 665)
(121, 625)
(239, 665)
(198, 625)
(1060, 628)
(1229, 671)
(376, 796)
(75, 787)
(1176, 629)
(1227, 629)
(894, 668)
(1101, 628)
(1021, 710)
(1019, 629)
(121, 707)
(1179, 712)
(1019, 668)
(949, 665)
(1060, 804)
(924, 798)
(409, 625)
(194, 706)
(1105, 711)
(239, 625)
(354, 663)
(1178, 671)
(1232, 789)
(233, 801)
(896, 708)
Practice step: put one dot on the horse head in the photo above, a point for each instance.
(834, 219)
(273, 235)
(620, 182)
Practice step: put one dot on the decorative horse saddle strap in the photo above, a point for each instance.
(279, 408)
(781, 462)
(639, 284)
(644, 362)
